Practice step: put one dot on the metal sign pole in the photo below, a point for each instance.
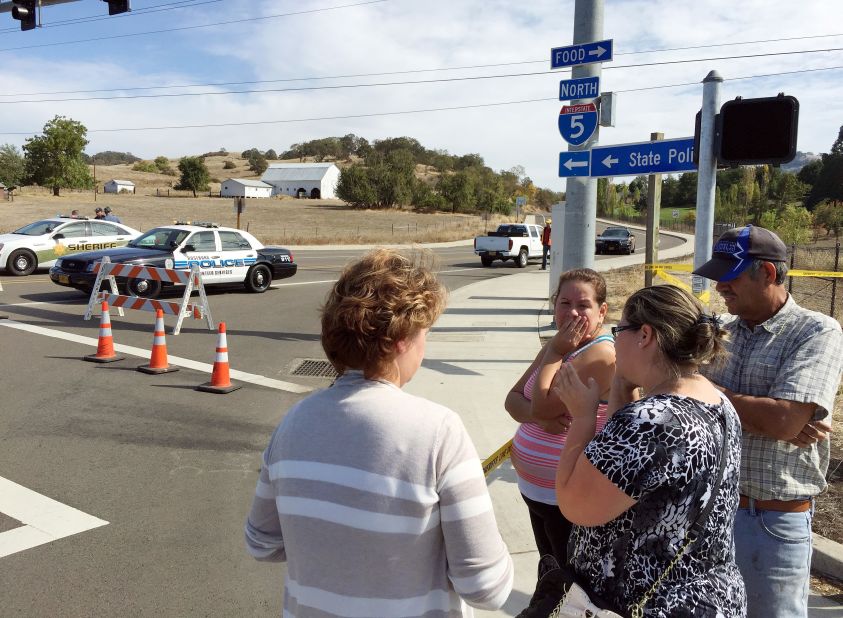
(654, 203)
(706, 183)
(581, 192)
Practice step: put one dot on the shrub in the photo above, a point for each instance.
(145, 166)
(257, 163)
(228, 165)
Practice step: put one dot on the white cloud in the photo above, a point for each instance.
(400, 35)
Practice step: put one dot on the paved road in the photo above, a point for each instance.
(171, 470)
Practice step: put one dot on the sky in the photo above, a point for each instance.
(312, 48)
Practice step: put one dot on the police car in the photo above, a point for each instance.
(223, 255)
(40, 244)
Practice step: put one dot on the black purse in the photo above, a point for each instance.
(560, 592)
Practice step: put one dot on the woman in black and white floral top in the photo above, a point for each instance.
(635, 488)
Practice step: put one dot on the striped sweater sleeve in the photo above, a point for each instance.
(479, 565)
(264, 540)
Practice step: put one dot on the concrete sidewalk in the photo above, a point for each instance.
(485, 340)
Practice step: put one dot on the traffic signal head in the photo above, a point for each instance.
(24, 11)
(756, 131)
(115, 7)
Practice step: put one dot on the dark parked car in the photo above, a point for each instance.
(615, 239)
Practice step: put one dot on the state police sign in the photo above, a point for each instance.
(577, 123)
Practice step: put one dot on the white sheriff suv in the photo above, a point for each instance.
(40, 244)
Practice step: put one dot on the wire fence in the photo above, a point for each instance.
(674, 225)
(820, 293)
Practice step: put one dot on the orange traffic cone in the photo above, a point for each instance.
(158, 362)
(105, 344)
(220, 382)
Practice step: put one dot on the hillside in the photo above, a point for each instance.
(215, 163)
(801, 160)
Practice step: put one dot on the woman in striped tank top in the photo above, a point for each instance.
(579, 310)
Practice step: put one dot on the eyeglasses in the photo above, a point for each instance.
(620, 329)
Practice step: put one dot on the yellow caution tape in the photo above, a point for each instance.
(661, 271)
(675, 267)
(497, 458)
(673, 280)
(796, 272)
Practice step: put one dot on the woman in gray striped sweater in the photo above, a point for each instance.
(376, 498)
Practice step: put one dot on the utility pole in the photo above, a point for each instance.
(581, 192)
(706, 181)
(654, 204)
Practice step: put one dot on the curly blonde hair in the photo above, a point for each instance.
(380, 299)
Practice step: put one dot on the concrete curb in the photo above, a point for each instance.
(827, 558)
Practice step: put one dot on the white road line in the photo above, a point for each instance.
(243, 376)
(282, 285)
(459, 270)
(45, 520)
(41, 302)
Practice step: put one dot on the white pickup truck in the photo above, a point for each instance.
(517, 241)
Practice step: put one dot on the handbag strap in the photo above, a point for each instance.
(697, 527)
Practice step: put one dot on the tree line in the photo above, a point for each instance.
(381, 174)
(384, 174)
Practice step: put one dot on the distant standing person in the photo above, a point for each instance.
(109, 216)
(74, 214)
(98, 213)
(376, 498)
(782, 376)
(545, 244)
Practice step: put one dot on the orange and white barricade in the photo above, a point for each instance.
(191, 279)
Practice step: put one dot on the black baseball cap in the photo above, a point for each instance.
(737, 248)
(97, 209)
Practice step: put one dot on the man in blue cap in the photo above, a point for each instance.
(782, 376)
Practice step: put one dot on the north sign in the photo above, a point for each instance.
(643, 158)
(583, 88)
(584, 53)
(577, 123)
(574, 163)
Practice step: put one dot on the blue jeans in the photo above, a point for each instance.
(773, 552)
(545, 252)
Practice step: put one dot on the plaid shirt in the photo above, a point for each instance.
(796, 355)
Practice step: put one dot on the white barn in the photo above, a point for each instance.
(314, 180)
(240, 187)
(119, 186)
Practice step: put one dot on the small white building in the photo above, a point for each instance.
(313, 180)
(240, 187)
(119, 186)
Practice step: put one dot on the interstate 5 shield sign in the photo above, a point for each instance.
(577, 123)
